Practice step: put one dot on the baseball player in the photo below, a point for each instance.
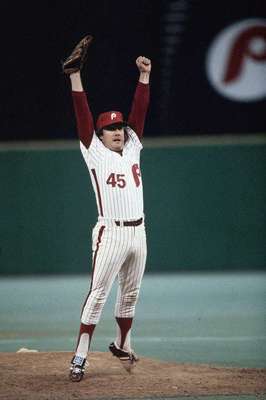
(112, 155)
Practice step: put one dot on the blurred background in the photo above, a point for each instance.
(203, 163)
(208, 64)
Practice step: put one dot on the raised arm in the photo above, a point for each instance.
(141, 97)
(83, 113)
(72, 67)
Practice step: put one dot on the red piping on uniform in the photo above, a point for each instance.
(94, 262)
(98, 191)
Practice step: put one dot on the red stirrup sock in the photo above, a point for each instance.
(124, 326)
(84, 339)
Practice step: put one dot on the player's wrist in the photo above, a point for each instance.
(76, 83)
(144, 77)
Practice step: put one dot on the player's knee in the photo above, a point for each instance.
(130, 298)
(99, 295)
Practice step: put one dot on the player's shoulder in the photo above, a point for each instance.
(133, 138)
(95, 151)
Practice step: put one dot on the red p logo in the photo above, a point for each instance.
(236, 61)
(251, 43)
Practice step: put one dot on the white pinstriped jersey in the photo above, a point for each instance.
(116, 179)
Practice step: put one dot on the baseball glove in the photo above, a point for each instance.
(75, 61)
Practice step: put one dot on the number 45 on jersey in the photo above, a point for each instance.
(119, 179)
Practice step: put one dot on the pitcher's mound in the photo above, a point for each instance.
(39, 376)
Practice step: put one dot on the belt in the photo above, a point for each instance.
(129, 223)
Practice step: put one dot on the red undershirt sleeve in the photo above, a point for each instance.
(84, 119)
(139, 108)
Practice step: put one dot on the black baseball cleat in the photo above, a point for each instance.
(77, 368)
(128, 359)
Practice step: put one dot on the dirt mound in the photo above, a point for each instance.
(45, 376)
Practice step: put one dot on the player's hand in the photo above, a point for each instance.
(143, 64)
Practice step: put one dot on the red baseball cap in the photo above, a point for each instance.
(110, 118)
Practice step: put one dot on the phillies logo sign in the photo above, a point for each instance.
(236, 61)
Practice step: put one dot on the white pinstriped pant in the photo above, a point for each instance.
(117, 251)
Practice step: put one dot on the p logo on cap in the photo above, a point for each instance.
(109, 118)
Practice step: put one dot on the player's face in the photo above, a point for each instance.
(114, 139)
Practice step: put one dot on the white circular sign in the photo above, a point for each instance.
(236, 61)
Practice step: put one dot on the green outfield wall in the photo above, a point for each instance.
(205, 207)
